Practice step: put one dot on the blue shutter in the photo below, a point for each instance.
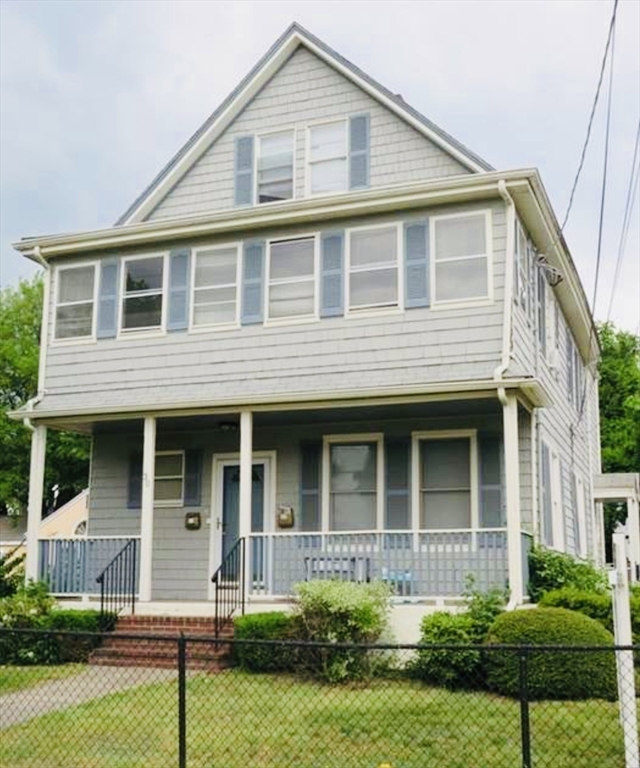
(416, 265)
(244, 170)
(192, 478)
(397, 485)
(134, 492)
(331, 274)
(178, 314)
(252, 282)
(359, 152)
(108, 299)
(310, 458)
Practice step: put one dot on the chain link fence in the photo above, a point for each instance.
(190, 707)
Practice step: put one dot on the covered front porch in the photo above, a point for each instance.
(419, 493)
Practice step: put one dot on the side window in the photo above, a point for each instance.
(75, 302)
(142, 294)
(275, 167)
(460, 268)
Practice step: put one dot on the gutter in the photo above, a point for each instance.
(44, 334)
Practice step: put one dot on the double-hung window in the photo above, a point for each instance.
(215, 282)
(142, 295)
(292, 278)
(461, 267)
(275, 167)
(447, 477)
(169, 479)
(354, 478)
(75, 302)
(373, 268)
(328, 158)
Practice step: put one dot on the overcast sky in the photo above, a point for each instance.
(97, 95)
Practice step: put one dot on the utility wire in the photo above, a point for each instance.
(593, 112)
(631, 195)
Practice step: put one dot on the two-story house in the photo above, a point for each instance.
(327, 341)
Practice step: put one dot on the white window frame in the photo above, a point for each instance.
(94, 318)
(365, 437)
(488, 255)
(309, 163)
(474, 474)
(152, 330)
(193, 289)
(296, 319)
(371, 309)
(257, 138)
(169, 502)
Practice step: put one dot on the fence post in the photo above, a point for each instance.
(524, 708)
(182, 701)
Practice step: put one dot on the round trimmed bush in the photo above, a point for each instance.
(448, 667)
(554, 674)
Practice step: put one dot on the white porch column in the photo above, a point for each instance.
(36, 491)
(512, 472)
(146, 514)
(246, 471)
(633, 529)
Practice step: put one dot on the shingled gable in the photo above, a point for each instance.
(279, 53)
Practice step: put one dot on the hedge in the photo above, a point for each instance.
(273, 625)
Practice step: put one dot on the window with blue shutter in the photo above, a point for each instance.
(108, 299)
(359, 140)
(134, 488)
(244, 148)
(397, 515)
(416, 268)
(253, 282)
(193, 478)
(332, 274)
(310, 458)
(178, 314)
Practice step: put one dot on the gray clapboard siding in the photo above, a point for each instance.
(304, 91)
(415, 346)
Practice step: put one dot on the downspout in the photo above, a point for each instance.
(44, 335)
(507, 320)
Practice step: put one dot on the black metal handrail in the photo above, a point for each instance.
(229, 585)
(118, 581)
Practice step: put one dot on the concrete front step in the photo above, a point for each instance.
(155, 643)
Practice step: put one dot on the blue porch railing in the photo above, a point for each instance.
(72, 566)
(414, 563)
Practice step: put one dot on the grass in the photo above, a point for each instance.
(15, 678)
(236, 720)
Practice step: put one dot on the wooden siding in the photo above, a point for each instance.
(306, 90)
(411, 347)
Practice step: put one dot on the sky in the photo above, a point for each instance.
(97, 95)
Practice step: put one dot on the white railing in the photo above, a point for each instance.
(415, 563)
(71, 566)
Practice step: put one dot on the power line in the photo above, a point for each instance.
(593, 111)
(631, 195)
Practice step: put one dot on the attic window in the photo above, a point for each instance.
(275, 167)
(328, 157)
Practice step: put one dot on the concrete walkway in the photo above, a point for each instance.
(91, 683)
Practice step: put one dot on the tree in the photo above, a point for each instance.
(67, 461)
(619, 391)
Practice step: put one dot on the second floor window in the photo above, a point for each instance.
(292, 278)
(75, 302)
(328, 158)
(461, 258)
(215, 279)
(142, 294)
(275, 167)
(373, 268)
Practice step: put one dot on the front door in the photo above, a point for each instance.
(230, 520)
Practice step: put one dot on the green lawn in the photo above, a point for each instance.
(15, 678)
(235, 720)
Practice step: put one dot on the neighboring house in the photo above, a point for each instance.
(330, 331)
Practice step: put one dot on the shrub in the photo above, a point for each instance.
(457, 668)
(11, 572)
(342, 612)
(551, 674)
(550, 570)
(274, 625)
